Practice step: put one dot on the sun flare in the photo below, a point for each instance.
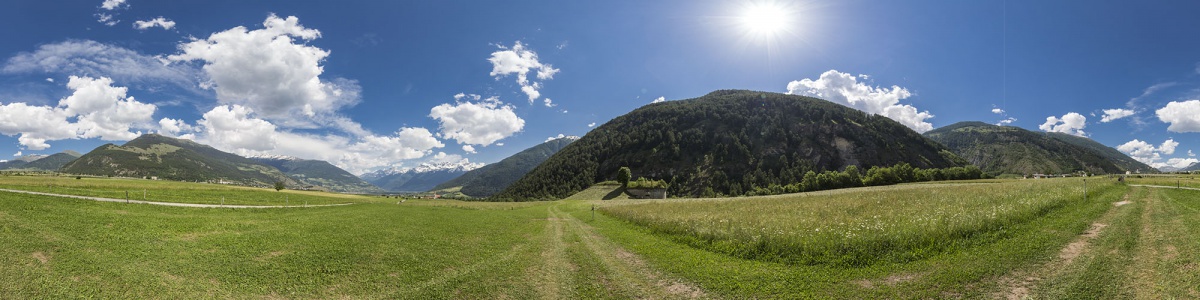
(764, 19)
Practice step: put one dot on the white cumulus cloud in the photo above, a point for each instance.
(477, 123)
(102, 110)
(175, 127)
(549, 103)
(1006, 121)
(233, 127)
(1070, 123)
(1153, 156)
(156, 22)
(562, 136)
(468, 149)
(997, 111)
(111, 4)
(1115, 114)
(659, 99)
(521, 60)
(845, 89)
(1183, 116)
(271, 72)
(592, 124)
(99, 109)
(1178, 163)
(238, 129)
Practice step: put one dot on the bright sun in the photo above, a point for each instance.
(764, 19)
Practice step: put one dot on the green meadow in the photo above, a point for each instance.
(171, 191)
(966, 239)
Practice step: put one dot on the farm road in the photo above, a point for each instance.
(1143, 248)
(574, 256)
(165, 203)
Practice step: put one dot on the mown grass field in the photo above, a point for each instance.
(977, 239)
(172, 191)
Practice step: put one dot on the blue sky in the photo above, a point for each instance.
(370, 84)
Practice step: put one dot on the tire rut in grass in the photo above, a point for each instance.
(1158, 270)
(1018, 285)
(554, 272)
(627, 273)
(1145, 254)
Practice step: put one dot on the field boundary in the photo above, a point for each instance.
(175, 204)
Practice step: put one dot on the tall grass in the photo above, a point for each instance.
(893, 224)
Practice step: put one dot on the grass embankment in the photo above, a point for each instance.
(60, 248)
(968, 266)
(172, 191)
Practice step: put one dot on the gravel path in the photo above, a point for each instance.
(165, 203)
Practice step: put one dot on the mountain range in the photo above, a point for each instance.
(175, 159)
(319, 173)
(422, 178)
(727, 142)
(730, 141)
(1012, 150)
(493, 178)
(51, 162)
(153, 155)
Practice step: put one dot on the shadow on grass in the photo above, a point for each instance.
(613, 194)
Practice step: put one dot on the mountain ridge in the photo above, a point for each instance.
(1013, 150)
(421, 178)
(730, 141)
(175, 159)
(318, 173)
(492, 178)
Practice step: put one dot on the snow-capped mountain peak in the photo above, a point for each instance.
(274, 157)
(459, 166)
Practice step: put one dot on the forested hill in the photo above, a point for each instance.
(1013, 150)
(174, 159)
(52, 162)
(319, 173)
(731, 141)
(1122, 161)
(493, 178)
